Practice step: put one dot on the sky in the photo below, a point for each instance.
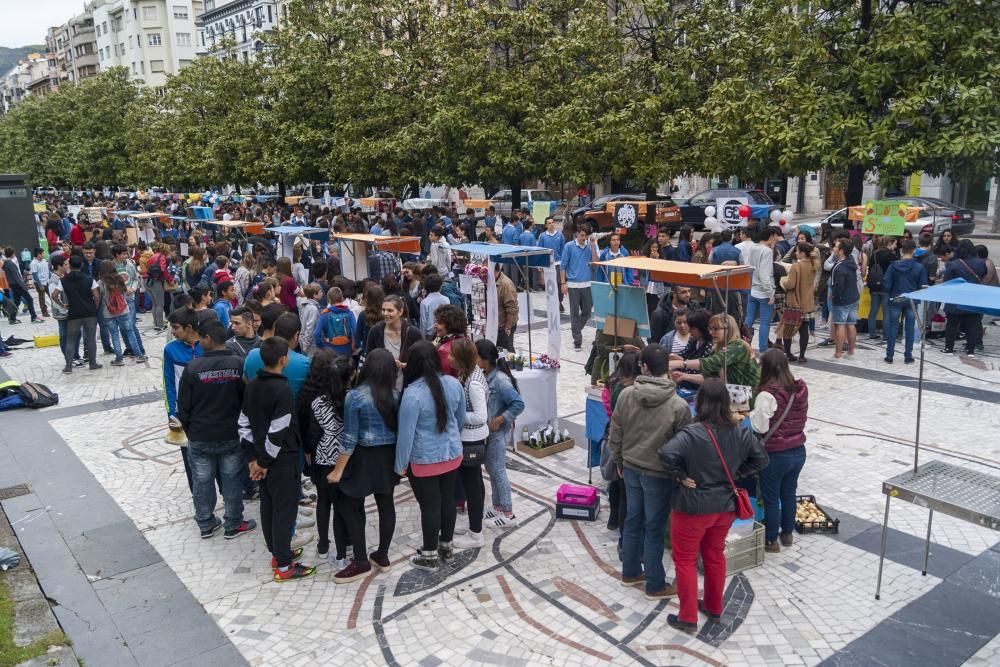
(24, 22)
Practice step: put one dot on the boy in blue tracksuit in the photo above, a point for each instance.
(903, 276)
(176, 355)
(224, 305)
(554, 241)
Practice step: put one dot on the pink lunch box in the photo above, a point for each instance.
(571, 494)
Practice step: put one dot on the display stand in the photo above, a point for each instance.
(286, 236)
(953, 490)
(355, 251)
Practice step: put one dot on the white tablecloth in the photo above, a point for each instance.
(538, 390)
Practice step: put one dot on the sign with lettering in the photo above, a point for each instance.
(884, 218)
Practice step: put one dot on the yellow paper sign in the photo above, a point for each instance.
(540, 211)
(39, 207)
(884, 218)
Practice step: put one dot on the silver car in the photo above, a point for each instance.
(925, 223)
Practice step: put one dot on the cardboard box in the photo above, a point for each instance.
(546, 451)
(622, 327)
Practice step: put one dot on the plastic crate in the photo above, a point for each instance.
(828, 525)
(744, 553)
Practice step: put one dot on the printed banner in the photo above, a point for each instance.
(492, 322)
(551, 275)
(884, 218)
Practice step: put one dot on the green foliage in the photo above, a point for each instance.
(498, 93)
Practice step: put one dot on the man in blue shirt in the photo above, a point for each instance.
(527, 238)
(554, 241)
(510, 234)
(177, 354)
(576, 259)
(614, 250)
(726, 251)
(287, 326)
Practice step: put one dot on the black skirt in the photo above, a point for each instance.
(370, 470)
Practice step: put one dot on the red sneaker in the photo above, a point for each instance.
(296, 553)
(354, 571)
(295, 571)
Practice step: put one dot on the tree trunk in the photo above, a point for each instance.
(995, 194)
(515, 197)
(855, 184)
(281, 191)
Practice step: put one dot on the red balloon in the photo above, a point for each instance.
(744, 211)
(782, 221)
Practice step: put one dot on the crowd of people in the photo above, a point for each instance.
(278, 370)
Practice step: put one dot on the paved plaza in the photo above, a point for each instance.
(108, 526)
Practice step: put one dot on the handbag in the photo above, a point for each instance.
(744, 510)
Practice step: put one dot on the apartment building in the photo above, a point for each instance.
(238, 24)
(150, 38)
(72, 49)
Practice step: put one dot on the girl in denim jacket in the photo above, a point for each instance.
(504, 405)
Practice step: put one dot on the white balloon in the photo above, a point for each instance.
(712, 223)
(787, 216)
(775, 215)
(710, 211)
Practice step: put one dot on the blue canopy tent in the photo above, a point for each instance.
(950, 489)
(521, 256)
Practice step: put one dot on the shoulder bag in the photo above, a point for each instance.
(777, 424)
(473, 453)
(744, 510)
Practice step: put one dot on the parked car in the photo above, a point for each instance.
(922, 224)
(963, 220)
(667, 213)
(598, 204)
(501, 201)
(693, 211)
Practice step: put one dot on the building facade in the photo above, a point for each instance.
(237, 24)
(150, 38)
(72, 49)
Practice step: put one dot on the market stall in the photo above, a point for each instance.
(620, 315)
(355, 251)
(950, 489)
(286, 236)
(538, 378)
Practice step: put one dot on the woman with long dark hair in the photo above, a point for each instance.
(450, 325)
(685, 248)
(321, 417)
(474, 434)
(503, 407)
(779, 415)
(365, 464)
(115, 311)
(371, 301)
(702, 457)
(429, 449)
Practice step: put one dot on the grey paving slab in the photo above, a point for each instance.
(909, 550)
(905, 381)
(981, 575)
(136, 591)
(899, 646)
(961, 619)
(220, 656)
(172, 637)
(112, 549)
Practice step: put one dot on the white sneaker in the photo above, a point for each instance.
(306, 511)
(461, 530)
(491, 514)
(469, 540)
(305, 522)
(338, 564)
(301, 539)
(501, 520)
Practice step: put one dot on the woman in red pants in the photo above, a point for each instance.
(704, 503)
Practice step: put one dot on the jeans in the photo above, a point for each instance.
(890, 324)
(156, 294)
(878, 299)
(766, 310)
(209, 460)
(104, 327)
(88, 327)
(140, 350)
(689, 535)
(436, 495)
(581, 303)
(496, 468)
(64, 340)
(20, 295)
(648, 500)
(778, 481)
(122, 324)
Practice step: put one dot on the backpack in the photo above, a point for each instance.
(337, 327)
(10, 396)
(449, 289)
(875, 273)
(222, 275)
(154, 270)
(116, 303)
(37, 395)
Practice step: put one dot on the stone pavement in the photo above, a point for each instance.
(547, 592)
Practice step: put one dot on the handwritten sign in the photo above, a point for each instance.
(884, 218)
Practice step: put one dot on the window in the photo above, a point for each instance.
(154, 39)
(180, 12)
(183, 39)
(135, 70)
(155, 66)
(121, 48)
(183, 63)
(104, 26)
(149, 13)
(101, 54)
(270, 18)
(130, 42)
(142, 67)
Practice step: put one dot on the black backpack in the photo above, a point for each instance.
(875, 273)
(37, 395)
